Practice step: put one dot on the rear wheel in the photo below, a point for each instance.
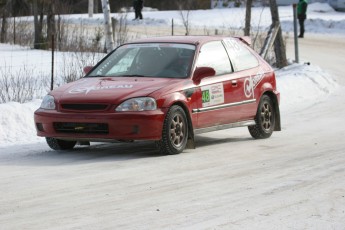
(264, 119)
(57, 144)
(175, 132)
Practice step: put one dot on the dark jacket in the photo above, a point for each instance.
(138, 4)
(302, 9)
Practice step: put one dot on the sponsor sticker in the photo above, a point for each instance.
(86, 90)
(212, 94)
(252, 82)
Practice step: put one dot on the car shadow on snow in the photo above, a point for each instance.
(110, 151)
(41, 155)
(204, 141)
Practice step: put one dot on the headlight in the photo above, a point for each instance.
(138, 104)
(48, 102)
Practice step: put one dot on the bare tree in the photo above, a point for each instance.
(279, 46)
(248, 17)
(95, 6)
(3, 32)
(38, 27)
(51, 22)
(11, 8)
(109, 43)
(185, 7)
(91, 8)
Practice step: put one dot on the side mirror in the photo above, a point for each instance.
(202, 72)
(87, 69)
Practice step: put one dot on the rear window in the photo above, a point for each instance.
(241, 57)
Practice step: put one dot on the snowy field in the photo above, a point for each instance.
(321, 18)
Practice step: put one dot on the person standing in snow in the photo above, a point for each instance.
(302, 15)
(138, 6)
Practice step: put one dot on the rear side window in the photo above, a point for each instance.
(213, 55)
(240, 55)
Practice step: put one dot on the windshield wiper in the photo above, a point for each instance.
(133, 75)
(95, 76)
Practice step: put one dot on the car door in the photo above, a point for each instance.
(250, 74)
(217, 95)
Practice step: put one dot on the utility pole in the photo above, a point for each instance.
(294, 7)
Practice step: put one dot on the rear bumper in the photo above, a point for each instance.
(145, 125)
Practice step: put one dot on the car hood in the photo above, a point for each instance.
(109, 89)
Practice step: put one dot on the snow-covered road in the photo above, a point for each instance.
(293, 180)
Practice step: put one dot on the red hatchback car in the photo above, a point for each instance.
(165, 89)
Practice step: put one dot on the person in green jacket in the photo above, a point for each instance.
(302, 15)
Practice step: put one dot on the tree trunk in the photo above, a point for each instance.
(50, 23)
(109, 43)
(95, 6)
(38, 27)
(3, 33)
(248, 17)
(279, 46)
(91, 8)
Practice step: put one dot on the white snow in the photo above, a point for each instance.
(318, 13)
(16, 120)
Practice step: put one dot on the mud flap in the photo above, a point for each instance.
(190, 143)
(87, 143)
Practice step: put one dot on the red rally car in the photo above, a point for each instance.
(165, 89)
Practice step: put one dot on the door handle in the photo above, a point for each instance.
(234, 83)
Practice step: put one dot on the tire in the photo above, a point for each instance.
(57, 144)
(175, 132)
(264, 119)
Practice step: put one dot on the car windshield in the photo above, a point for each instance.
(161, 60)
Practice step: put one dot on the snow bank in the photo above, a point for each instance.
(303, 85)
(320, 7)
(17, 123)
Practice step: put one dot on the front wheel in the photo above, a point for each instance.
(264, 119)
(175, 132)
(57, 144)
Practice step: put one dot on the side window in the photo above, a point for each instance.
(213, 55)
(240, 55)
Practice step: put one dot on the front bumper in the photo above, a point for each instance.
(146, 125)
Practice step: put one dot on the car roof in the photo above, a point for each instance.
(180, 39)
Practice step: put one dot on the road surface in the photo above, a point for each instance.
(294, 180)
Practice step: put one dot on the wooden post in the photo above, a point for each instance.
(294, 7)
(52, 73)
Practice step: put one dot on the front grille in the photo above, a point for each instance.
(84, 107)
(86, 128)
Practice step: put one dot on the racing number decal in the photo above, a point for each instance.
(205, 96)
(212, 94)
